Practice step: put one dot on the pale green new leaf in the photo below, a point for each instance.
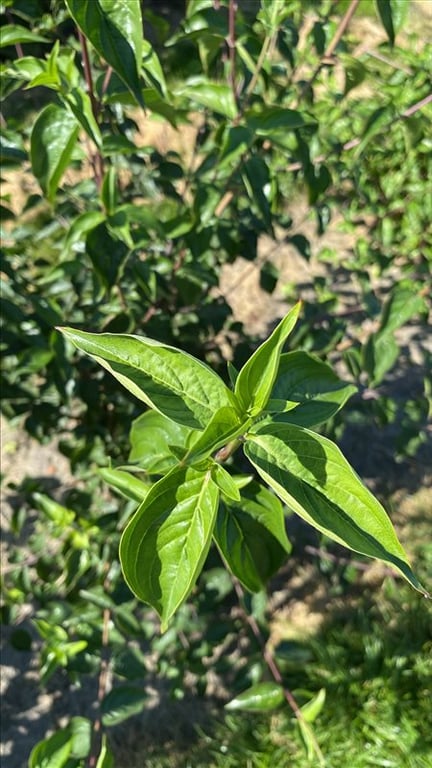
(256, 379)
(174, 383)
(53, 139)
(310, 474)
(115, 29)
(164, 546)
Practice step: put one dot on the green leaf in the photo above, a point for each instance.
(306, 380)
(163, 377)
(53, 139)
(264, 121)
(81, 733)
(121, 703)
(52, 752)
(107, 254)
(80, 105)
(215, 96)
(256, 178)
(153, 72)
(224, 426)
(80, 226)
(256, 379)
(105, 757)
(401, 306)
(261, 697)
(310, 474)
(14, 34)
(153, 438)
(392, 14)
(115, 29)
(251, 536)
(379, 355)
(164, 546)
(225, 482)
(126, 484)
(312, 709)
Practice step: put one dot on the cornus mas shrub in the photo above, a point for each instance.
(198, 425)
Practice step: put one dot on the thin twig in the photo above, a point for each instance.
(96, 159)
(102, 685)
(274, 669)
(231, 43)
(329, 51)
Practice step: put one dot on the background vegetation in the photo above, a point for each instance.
(286, 140)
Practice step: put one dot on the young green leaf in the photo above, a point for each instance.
(155, 441)
(251, 536)
(225, 482)
(165, 378)
(224, 426)
(164, 546)
(309, 473)
(115, 29)
(261, 697)
(256, 379)
(125, 483)
(305, 379)
(53, 139)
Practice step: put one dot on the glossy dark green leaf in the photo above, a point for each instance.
(53, 139)
(165, 378)
(392, 14)
(251, 536)
(107, 254)
(261, 697)
(80, 105)
(121, 703)
(152, 69)
(306, 380)
(115, 29)
(164, 546)
(310, 474)
(256, 379)
(256, 178)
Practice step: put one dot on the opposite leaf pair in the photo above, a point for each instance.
(200, 423)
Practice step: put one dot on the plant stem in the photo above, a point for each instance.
(274, 669)
(96, 158)
(102, 687)
(329, 51)
(231, 43)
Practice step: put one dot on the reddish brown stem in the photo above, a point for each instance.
(231, 42)
(96, 158)
(272, 665)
